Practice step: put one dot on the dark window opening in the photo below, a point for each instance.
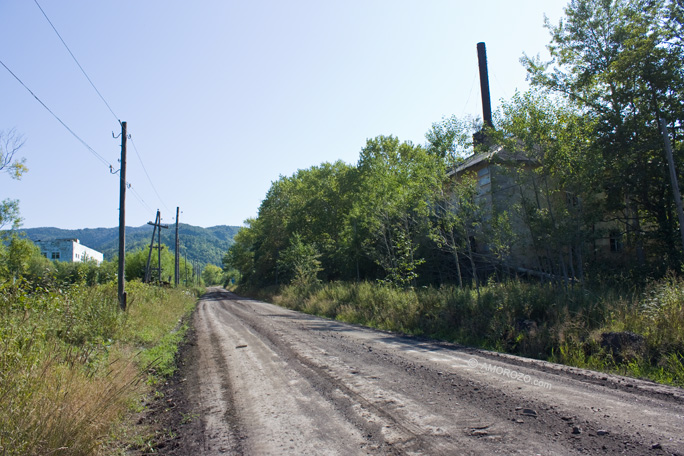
(616, 242)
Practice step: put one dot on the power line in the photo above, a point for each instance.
(135, 193)
(472, 85)
(98, 156)
(76, 60)
(139, 198)
(85, 144)
(92, 151)
(148, 176)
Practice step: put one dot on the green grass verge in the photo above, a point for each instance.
(72, 364)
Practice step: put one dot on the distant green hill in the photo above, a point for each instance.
(205, 245)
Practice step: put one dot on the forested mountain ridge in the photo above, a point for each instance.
(205, 245)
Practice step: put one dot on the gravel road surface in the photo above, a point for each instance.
(266, 380)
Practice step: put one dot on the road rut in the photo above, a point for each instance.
(267, 380)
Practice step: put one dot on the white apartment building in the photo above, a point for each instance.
(69, 250)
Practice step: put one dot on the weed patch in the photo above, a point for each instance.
(71, 363)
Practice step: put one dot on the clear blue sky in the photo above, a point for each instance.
(222, 97)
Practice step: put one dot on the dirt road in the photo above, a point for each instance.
(266, 380)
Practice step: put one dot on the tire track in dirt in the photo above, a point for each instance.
(297, 384)
(369, 418)
(220, 419)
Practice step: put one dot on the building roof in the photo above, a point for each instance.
(495, 154)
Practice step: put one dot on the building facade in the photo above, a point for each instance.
(69, 250)
(554, 232)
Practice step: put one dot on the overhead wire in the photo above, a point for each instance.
(472, 86)
(139, 198)
(148, 176)
(87, 146)
(500, 85)
(77, 63)
(108, 107)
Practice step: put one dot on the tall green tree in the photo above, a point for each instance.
(560, 187)
(622, 61)
(136, 262)
(319, 201)
(459, 220)
(300, 263)
(240, 255)
(452, 138)
(314, 204)
(212, 275)
(21, 258)
(397, 184)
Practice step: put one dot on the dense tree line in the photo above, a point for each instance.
(621, 65)
(590, 131)
(21, 260)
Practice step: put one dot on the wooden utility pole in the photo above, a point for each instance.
(157, 229)
(149, 252)
(122, 221)
(176, 275)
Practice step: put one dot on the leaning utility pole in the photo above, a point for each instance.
(176, 275)
(149, 252)
(157, 229)
(122, 221)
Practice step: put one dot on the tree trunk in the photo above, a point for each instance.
(458, 263)
(472, 265)
(673, 178)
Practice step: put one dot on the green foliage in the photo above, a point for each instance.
(300, 263)
(136, 263)
(460, 219)
(154, 321)
(68, 362)
(67, 353)
(452, 139)
(213, 275)
(401, 266)
(10, 143)
(313, 203)
(9, 213)
(560, 183)
(84, 273)
(397, 183)
(622, 63)
(366, 221)
(240, 255)
(20, 254)
(231, 278)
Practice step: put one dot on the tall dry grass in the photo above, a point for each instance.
(71, 363)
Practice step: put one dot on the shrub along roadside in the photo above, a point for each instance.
(71, 364)
(639, 334)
